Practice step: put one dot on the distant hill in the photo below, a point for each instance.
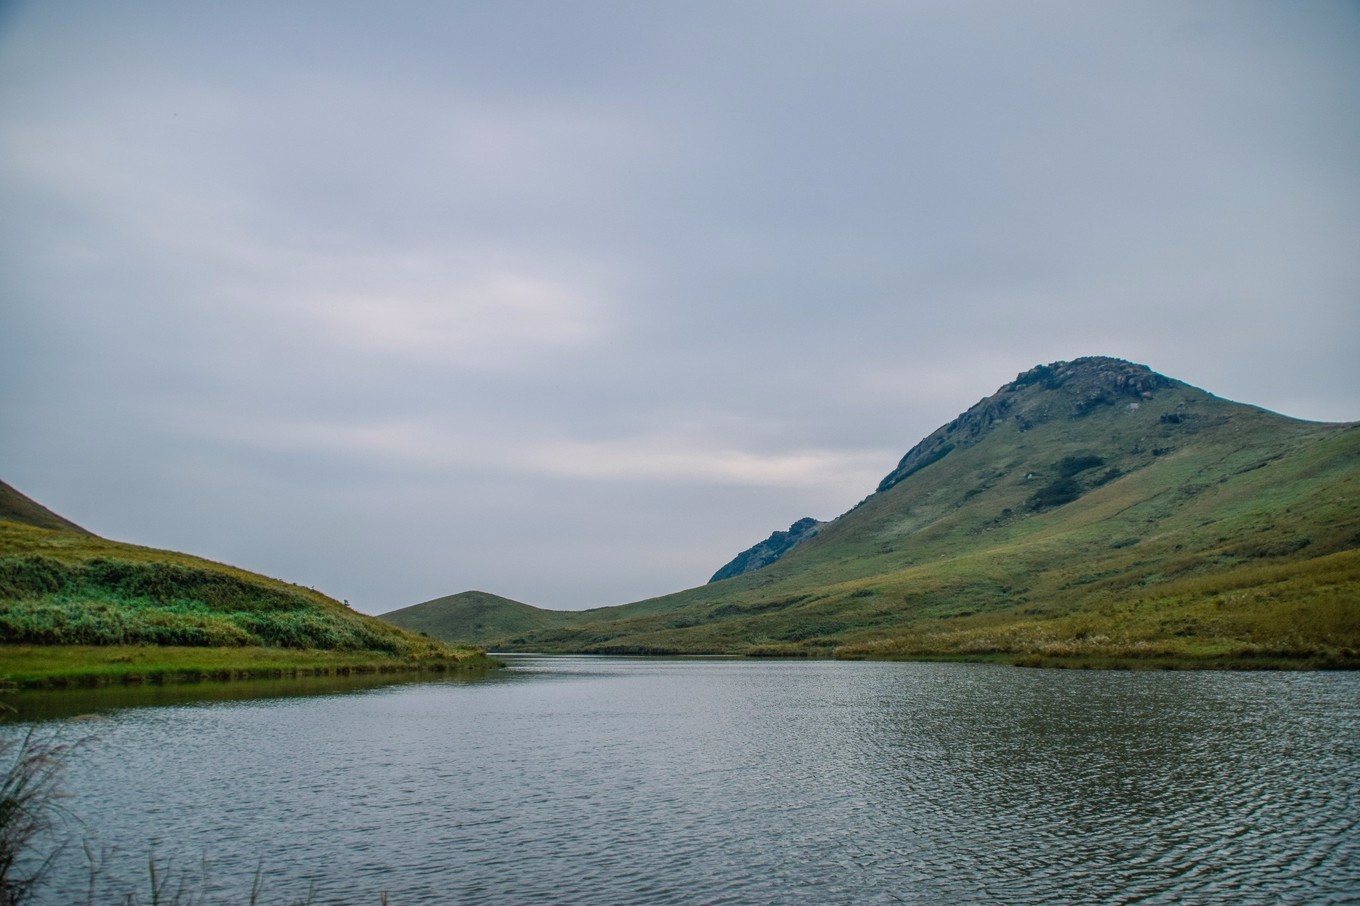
(768, 551)
(474, 618)
(62, 586)
(1091, 511)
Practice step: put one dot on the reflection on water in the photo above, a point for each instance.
(48, 704)
(631, 780)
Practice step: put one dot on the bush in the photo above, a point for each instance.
(1063, 490)
(1108, 476)
(1081, 462)
(26, 576)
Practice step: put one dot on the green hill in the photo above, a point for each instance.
(1088, 512)
(77, 607)
(482, 619)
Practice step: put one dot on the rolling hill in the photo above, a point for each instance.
(96, 608)
(484, 618)
(1090, 512)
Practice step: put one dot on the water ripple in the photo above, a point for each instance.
(639, 781)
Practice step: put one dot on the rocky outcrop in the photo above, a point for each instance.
(769, 550)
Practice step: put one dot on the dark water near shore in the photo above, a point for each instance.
(598, 780)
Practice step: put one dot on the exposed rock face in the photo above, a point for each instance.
(769, 550)
(1061, 390)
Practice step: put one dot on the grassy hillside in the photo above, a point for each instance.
(61, 586)
(1089, 512)
(15, 507)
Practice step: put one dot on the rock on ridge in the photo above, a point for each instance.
(769, 550)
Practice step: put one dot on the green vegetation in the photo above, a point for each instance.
(58, 666)
(79, 609)
(1090, 513)
(1290, 614)
(118, 602)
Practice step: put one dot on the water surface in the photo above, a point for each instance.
(601, 780)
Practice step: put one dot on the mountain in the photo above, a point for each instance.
(1091, 511)
(62, 586)
(761, 555)
(483, 619)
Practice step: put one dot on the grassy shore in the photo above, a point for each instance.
(1099, 661)
(59, 666)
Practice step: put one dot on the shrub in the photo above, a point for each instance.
(1063, 490)
(1108, 476)
(1081, 462)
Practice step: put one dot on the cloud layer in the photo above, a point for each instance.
(571, 302)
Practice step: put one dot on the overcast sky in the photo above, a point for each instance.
(573, 301)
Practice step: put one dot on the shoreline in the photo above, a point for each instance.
(36, 667)
(1092, 660)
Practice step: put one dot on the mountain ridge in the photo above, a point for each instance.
(1087, 509)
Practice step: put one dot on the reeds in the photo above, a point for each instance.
(29, 812)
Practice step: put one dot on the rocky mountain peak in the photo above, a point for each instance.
(1072, 389)
(1092, 376)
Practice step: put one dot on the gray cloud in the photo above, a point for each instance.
(571, 302)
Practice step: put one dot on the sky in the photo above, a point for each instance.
(573, 301)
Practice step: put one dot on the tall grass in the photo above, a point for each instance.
(31, 766)
(29, 812)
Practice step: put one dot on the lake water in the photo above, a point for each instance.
(601, 780)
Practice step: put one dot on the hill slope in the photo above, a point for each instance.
(15, 507)
(1087, 510)
(62, 586)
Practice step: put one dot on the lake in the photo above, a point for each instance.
(622, 780)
